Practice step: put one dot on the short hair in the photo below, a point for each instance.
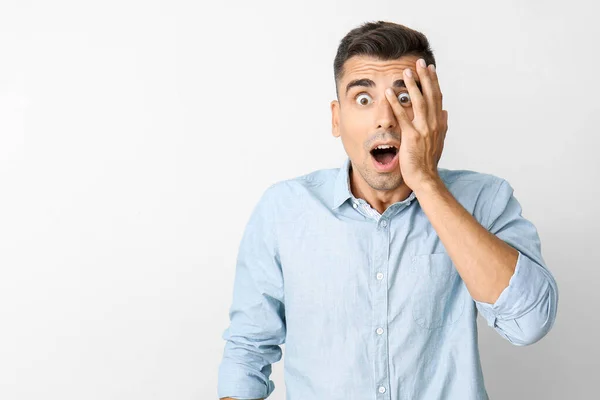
(383, 40)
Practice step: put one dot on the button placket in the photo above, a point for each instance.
(381, 240)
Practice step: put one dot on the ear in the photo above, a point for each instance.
(335, 118)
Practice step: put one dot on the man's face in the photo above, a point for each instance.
(363, 116)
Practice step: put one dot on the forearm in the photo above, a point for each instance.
(484, 262)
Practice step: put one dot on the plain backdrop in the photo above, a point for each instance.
(137, 136)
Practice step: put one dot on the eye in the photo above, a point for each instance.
(360, 99)
(404, 98)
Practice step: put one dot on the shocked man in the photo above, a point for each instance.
(373, 274)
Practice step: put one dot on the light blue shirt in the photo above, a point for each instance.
(370, 306)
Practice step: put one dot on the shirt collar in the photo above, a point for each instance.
(341, 191)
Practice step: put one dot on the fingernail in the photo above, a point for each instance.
(432, 67)
(422, 63)
(408, 72)
(389, 91)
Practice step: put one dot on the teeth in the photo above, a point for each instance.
(384, 146)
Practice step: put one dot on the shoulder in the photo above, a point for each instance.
(478, 192)
(318, 183)
(469, 183)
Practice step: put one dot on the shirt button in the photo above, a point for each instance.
(354, 205)
(379, 276)
(381, 389)
(379, 331)
(384, 223)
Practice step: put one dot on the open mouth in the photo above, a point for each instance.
(384, 154)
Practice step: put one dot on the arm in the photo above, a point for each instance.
(257, 317)
(501, 266)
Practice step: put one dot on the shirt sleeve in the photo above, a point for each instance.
(257, 316)
(526, 309)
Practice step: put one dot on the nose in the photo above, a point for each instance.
(385, 117)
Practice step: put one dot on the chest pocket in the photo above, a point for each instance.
(437, 298)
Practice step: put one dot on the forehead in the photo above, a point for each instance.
(362, 66)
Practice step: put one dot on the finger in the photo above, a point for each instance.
(416, 98)
(399, 112)
(444, 123)
(428, 91)
(442, 136)
(445, 119)
(435, 86)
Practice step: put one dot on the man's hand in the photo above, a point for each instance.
(422, 139)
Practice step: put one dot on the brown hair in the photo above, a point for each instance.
(381, 39)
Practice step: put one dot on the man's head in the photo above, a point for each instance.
(370, 59)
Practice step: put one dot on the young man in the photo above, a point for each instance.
(373, 274)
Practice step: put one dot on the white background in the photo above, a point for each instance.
(136, 137)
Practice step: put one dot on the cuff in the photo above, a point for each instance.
(525, 289)
(241, 382)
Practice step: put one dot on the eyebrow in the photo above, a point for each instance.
(366, 82)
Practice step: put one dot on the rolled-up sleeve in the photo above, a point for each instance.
(526, 309)
(257, 318)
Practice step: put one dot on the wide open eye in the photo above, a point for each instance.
(363, 99)
(404, 98)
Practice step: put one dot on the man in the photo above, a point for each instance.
(373, 274)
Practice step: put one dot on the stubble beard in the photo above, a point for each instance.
(380, 181)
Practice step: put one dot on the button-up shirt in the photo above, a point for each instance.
(370, 306)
